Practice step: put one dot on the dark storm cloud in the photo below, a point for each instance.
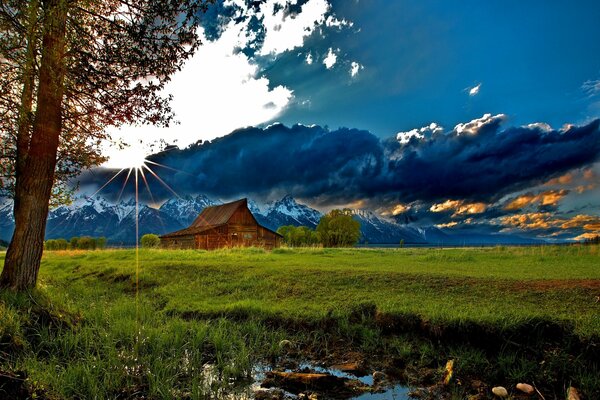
(487, 162)
(482, 163)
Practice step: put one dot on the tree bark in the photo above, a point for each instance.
(34, 181)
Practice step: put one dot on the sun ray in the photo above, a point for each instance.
(161, 181)
(167, 167)
(109, 181)
(124, 184)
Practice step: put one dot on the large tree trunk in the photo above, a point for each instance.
(34, 182)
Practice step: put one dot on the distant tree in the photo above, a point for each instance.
(298, 236)
(338, 229)
(401, 243)
(50, 245)
(61, 244)
(87, 243)
(592, 240)
(69, 69)
(101, 243)
(74, 243)
(150, 240)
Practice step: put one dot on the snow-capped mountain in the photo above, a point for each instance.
(289, 212)
(375, 229)
(7, 221)
(185, 209)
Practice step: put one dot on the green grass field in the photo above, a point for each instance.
(101, 325)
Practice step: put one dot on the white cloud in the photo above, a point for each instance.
(338, 23)
(283, 32)
(309, 59)
(475, 125)
(330, 59)
(419, 133)
(591, 87)
(474, 91)
(355, 68)
(539, 125)
(217, 91)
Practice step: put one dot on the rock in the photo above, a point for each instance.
(500, 391)
(313, 396)
(525, 388)
(378, 376)
(573, 394)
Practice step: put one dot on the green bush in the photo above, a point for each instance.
(87, 243)
(150, 240)
(338, 229)
(101, 243)
(298, 236)
(61, 244)
(74, 243)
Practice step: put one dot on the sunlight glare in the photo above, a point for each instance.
(129, 157)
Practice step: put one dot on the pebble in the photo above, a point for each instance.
(525, 388)
(500, 391)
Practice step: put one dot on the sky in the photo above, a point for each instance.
(463, 114)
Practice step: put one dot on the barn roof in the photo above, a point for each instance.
(213, 217)
(191, 230)
(217, 215)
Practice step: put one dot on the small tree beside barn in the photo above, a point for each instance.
(226, 225)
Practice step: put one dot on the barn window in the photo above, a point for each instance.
(247, 236)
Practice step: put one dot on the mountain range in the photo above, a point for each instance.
(117, 222)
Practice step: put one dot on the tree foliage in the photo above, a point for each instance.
(150, 240)
(298, 236)
(338, 229)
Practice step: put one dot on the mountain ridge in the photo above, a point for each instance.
(116, 221)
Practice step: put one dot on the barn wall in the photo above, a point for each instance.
(241, 230)
(178, 242)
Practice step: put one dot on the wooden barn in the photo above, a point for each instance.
(226, 225)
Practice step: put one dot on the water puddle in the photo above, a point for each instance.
(364, 387)
(306, 381)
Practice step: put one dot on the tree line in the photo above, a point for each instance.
(76, 243)
(335, 229)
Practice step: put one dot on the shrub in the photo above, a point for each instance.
(150, 240)
(338, 229)
(101, 243)
(297, 236)
(61, 244)
(87, 243)
(74, 243)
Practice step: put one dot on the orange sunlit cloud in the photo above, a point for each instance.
(589, 174)
(528, 221)
(447, 225)
(588, 235)
(580, 221)
(459, 207)
(549, 198)
(561, 180)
